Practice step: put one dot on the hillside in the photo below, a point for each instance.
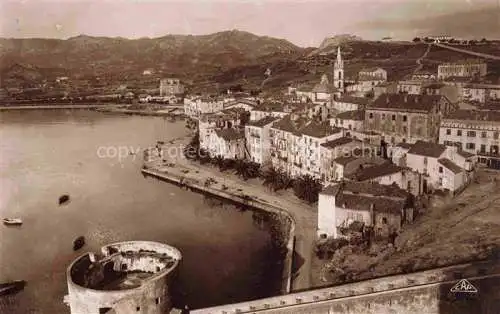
(182, 55)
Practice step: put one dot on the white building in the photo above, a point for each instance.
(257, 139)
(442, 167)
(197, 106)
(227, 143)
(171, 87)
(474, 132)
(383, 208)
(209, 123)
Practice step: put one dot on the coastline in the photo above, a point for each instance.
(197, 186)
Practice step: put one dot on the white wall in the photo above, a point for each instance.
(326, 216)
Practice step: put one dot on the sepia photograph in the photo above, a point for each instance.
(250, 156)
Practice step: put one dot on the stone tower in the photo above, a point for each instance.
(338, 71)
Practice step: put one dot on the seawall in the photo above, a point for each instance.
(197, 186)
(52, 107)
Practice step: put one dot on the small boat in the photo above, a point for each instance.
(78, 243)
(12, 287)
(63, 199)
(12, 221)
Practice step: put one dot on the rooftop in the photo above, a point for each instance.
(230, 134)
(448, 164)
(344, 160)
(339, 142)
(405, 102)
(427, 149)
(358, 115)
(319, 130)
(354, 100)
(474, 115)
(376, 171)
(262, 122)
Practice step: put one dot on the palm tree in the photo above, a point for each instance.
(276, 179)
(247, 170)
(307, 188)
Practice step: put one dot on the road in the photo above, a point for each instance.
(419, 60)
(473, 53)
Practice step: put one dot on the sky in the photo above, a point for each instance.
(304, 23)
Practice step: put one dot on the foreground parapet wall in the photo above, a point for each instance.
(422, 292)
(127, 277)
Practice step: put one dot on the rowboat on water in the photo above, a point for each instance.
(12, 221)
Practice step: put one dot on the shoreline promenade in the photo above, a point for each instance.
(304, 216)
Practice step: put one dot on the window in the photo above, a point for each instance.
(393, 128)
(471, 133)
(425, 161)
(371, 115)
(483, 134)
(138, 308)
(393, 117)
(483, 148)
(448, 132)
(157, 300)
(405, 129)
(383, 116)
(384, 220)
(495, 135)
(440, 169)
(404, 140)
(470, 146)
(404, 118)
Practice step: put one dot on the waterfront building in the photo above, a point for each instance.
(128, 277)
(209, 123)
(198, 106)
(407, 118)
(228, 143)
(362, 206)
(473, 132)
(466, 68)
(295, 144)
(171, 87)
(257, 139)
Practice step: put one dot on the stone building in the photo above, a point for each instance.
(349, 120)
(257, 139)
(128, 277)
(407, 118)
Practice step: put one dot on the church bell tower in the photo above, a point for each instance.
(338, 72)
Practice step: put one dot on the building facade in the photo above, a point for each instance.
(171, 87)
(468, 68)
(258, 141)
(407, 118)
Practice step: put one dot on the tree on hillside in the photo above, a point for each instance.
(307, 188)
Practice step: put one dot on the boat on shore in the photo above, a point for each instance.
(12, 221)
(12, 287)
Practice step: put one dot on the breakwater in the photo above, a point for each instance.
(284, 234)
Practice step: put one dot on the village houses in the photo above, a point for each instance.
(171, 87)
(442, 167)
(228, 143)
(209, 123)
(382, 208)
(267, 108)
(349, 103)
(475, 132)
(258, 141)
(407, 118)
